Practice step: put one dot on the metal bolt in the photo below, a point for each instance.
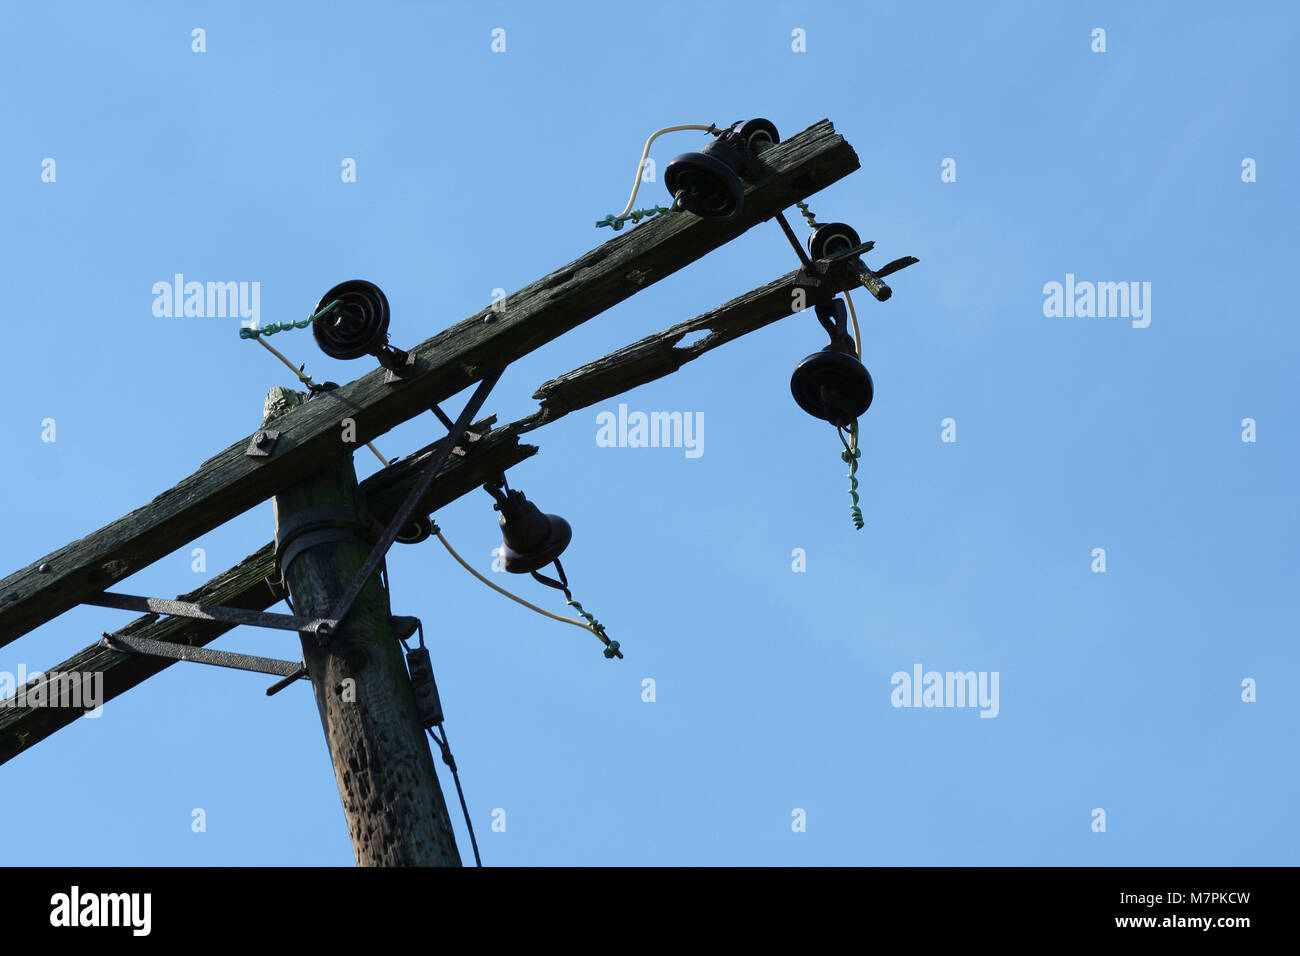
(42, 568)
(324, 633)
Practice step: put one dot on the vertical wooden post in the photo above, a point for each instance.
(394, 807)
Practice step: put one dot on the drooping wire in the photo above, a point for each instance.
(593, 625)
(617, 221)
(857, 333)
(518, 600)
(445, 747)
(496, 587)
(450, 761)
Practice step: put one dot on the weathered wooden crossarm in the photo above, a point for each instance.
(658, 355)
(311, 437)
(874, 282)
(645, 360)
(246, 586)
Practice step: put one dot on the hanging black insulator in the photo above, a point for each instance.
(832, 239)
(359, 326)
(532, 540)
(832, 385)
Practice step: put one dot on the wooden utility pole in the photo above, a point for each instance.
(394, 808)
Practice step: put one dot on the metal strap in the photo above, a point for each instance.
(318, 524)
(203, 655)
(321, 627)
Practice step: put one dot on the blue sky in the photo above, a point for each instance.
(477, 170)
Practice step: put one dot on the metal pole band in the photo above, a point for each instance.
(318, 524)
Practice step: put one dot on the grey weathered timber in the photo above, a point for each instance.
(394, 807)
(246, 586)
(643, 361)
(310, 438)
(658, 355)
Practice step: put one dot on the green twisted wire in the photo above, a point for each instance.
(808, 214)
(612, 647)
(850, 456)
(636, 215)
(275, 327)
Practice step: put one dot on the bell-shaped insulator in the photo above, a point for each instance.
(532, 540)
(832, 385)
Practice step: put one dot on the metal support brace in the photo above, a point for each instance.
(319, 627)
(313, 530)
(203, 655)
(418, 491)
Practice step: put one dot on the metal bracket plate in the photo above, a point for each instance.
(854, 251)
(398, 375)
(263, 443)
(418, 490)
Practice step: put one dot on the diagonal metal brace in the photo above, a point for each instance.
(319, 627)
(408, 506)
(203, 655)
